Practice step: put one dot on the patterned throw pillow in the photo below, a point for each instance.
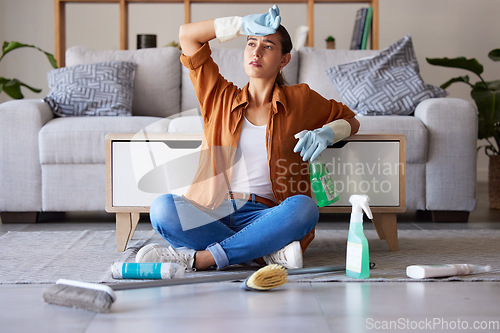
(98, 89)
(387, 84)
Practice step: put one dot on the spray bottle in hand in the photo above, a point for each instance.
(322, 183)
(358, 259)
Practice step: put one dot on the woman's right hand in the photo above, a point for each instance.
(228, 28)
(193, 35)
(261, 24)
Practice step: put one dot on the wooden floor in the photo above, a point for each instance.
(295, 307)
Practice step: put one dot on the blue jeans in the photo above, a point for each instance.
(237, 231)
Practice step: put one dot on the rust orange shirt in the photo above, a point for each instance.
(223, 104)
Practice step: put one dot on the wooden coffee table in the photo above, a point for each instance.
(140, 167)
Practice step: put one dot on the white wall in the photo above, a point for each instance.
(439, 28)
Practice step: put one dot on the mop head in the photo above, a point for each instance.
(266, 278)
(74, 294)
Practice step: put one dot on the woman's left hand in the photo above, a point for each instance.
(312, 144)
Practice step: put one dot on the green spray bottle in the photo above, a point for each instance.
(322, 183)
(357, 258)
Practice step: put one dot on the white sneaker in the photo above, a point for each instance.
(157, 253)
(289, 257)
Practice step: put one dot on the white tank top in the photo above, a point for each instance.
(250, 173)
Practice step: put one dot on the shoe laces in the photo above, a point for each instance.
(279, 257)
(170, 254)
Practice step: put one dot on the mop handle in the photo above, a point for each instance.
(181, 281)
(314, 270)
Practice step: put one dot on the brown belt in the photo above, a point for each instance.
(251, 197)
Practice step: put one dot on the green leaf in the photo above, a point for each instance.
(12, 87)
(51, 58)
(33, 89)
(488, 106)
(484, 128)
(2, 82)
(448, 83)
(10, 46)
(494, 55)
(461, 62)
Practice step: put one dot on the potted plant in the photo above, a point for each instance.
(12, 87)
(330, 42)
(486, 95)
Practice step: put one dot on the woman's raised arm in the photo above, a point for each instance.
(192, 36)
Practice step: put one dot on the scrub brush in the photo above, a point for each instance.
(99, 298)
(266, 278)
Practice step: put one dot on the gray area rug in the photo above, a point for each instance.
(416, 247)
(43, 257)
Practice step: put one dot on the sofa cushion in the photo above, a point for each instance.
(386, 84)
(314, 63)
(81, 140)
(230, 62)
(97, 89)
(157, 77)
(73, 187)
(417, 140)
(187, 124)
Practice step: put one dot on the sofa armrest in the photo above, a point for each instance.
(20, 172)
(451, 164)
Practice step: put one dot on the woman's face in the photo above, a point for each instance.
(263, 58)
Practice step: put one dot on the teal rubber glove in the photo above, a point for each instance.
(314, 142)
(261, 24)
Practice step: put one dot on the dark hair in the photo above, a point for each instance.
(286, 47)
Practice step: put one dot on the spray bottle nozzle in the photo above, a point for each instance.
(359, 204)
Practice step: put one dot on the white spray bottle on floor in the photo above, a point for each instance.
(358, 259)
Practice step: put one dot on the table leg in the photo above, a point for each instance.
(387, 228)
(126, 223)
(135, 220)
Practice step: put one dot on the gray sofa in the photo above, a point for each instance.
(50, 164)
